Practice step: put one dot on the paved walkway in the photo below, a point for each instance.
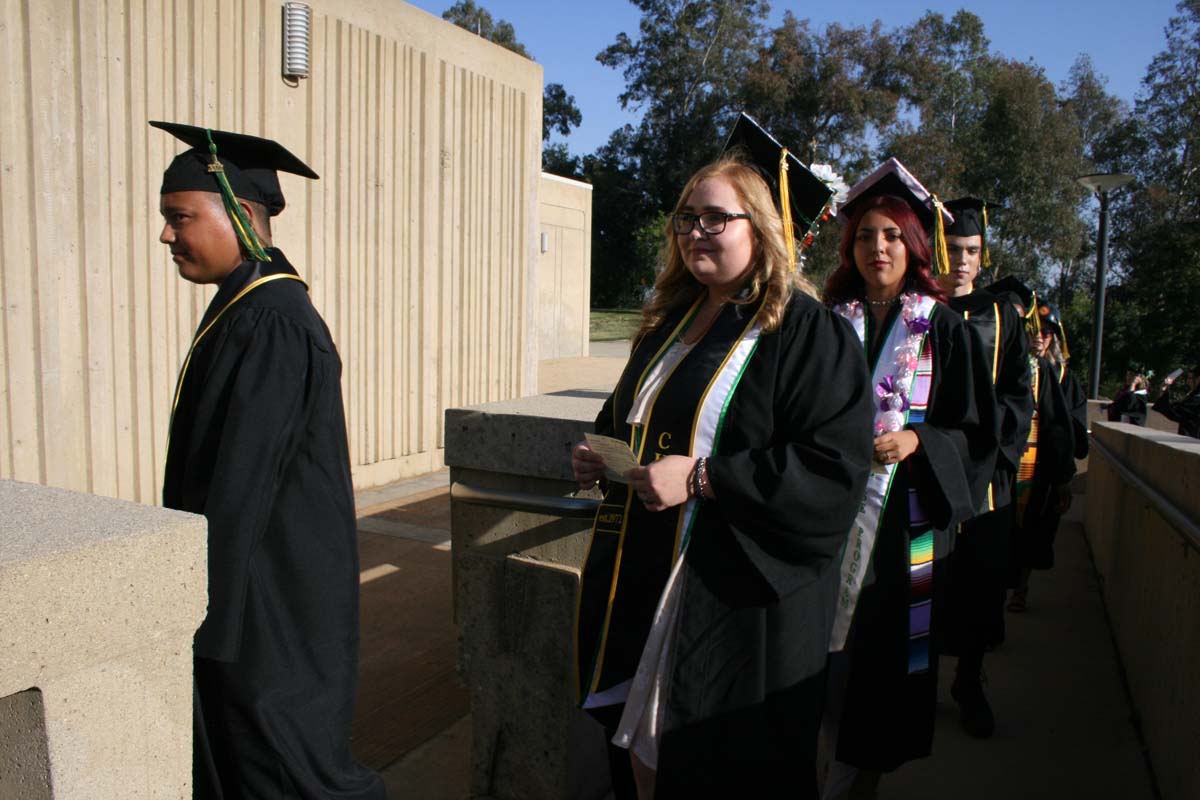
(1064, 725)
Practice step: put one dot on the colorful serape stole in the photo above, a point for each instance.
(1029, 454)
(920, 533)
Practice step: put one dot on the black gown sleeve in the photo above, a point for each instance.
(1185, 413)
(959, 437)
(264, 395)
(1077, 406)
(790, 505)
(1056, 429)
(1013, 392)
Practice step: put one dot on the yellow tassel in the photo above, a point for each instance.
(987, 256)
(785, 210)
(1033, 320)
(941, 257)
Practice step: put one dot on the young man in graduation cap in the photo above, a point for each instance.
(258, 446)
(978, 570)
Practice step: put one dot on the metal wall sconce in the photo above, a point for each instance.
(297, 41)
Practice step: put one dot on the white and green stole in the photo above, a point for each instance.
(866, 526)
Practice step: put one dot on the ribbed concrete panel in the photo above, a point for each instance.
(418, 242)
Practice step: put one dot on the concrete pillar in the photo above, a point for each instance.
(516, 575)
(99, 599)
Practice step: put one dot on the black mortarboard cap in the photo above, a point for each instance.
(250, 164)
(970, 216)
(1010, 286)
(806, 193)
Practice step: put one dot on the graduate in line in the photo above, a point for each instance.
(1042, 494)
(708, 591)
(258, 446)
(978, 572)
(935, 442)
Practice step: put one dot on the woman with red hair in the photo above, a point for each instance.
(935, 441)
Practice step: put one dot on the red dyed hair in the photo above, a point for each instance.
(846, 283)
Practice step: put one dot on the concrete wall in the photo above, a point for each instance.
(564, 267)
(516, 579)
(418, 243)
(1150, 575)
(99, 599)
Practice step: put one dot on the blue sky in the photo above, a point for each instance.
(564, 38)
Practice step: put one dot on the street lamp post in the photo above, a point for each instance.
(1101, 184)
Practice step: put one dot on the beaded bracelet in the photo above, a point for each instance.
(700, 478)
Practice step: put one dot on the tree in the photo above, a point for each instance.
(826, 93)
(478, 20)
(559, 112)
(1156, 221)
(683, 71)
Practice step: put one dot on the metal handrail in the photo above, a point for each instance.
(570, 507)
(1168, 510)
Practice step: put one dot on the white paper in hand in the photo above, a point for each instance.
(618, 458)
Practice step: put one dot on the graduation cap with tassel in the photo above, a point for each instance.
(893, 178)
(971, 219)
(802, 197)
(1016, 292)
(237, 166)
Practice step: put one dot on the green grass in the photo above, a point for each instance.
(614, 324)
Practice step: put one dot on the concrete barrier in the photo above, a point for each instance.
(99, 599)
(516, 574)
(1143, 523)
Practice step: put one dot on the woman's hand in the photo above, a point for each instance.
(587, 464)
(892, 448)
(664, 483)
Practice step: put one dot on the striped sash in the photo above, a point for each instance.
(879, 485)
(920, 535)
(1029, 455)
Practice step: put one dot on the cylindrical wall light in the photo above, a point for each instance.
(297, 40)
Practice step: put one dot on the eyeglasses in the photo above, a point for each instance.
(711, 222)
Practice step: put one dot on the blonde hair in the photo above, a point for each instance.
(770, 277)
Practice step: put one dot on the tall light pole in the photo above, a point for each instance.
(1101, 183)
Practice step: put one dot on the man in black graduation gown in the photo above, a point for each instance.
(258, 445)
(1185, 412)
(978, 570)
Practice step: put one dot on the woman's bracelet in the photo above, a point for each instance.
(700, 478)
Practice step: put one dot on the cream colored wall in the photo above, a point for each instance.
(565, 269)
(418, 243)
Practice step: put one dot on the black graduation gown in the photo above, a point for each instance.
(1055, 466)
(1128, 404)
(1186, 412)
(887, 716)
(978, 570)
(761, 570)
(1076, 400)
(258, 446)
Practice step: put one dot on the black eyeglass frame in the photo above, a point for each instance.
(698, 219)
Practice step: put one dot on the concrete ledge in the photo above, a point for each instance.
(1151, 583)
(99, 600)
(531, 436)
(516, 577)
